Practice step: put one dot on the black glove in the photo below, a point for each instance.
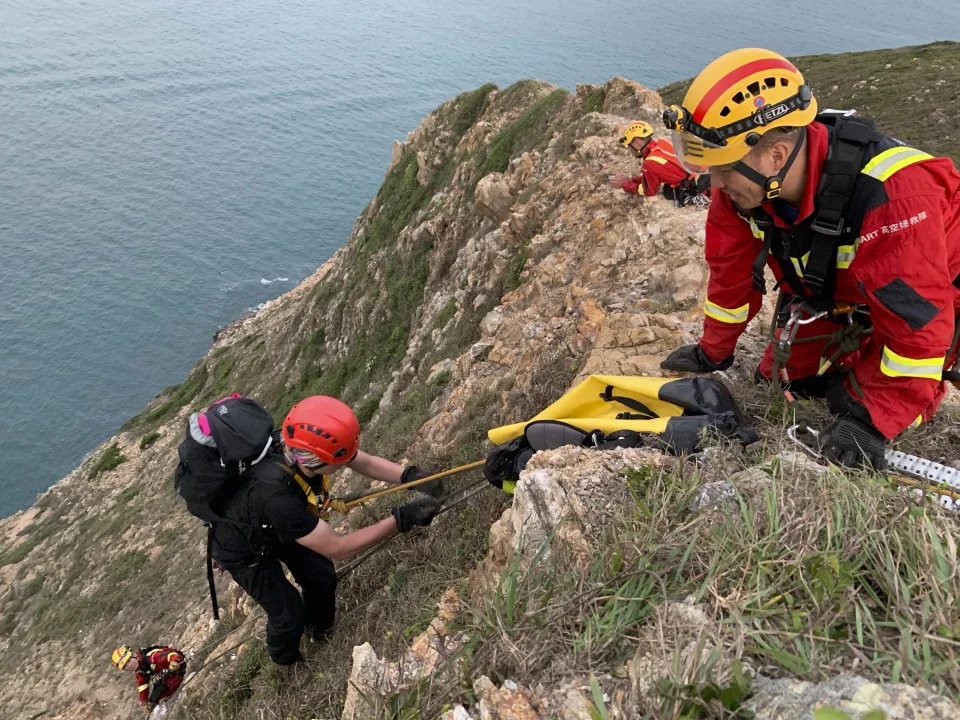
(434, 488)
(691, 358)
(150, 707)
(416, 513)
(854, 443)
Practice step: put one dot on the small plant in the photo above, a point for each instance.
(109, 459)
(441, 378)
(149, 439)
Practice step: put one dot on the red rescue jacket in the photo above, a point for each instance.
(660, 167)
(905, 266)
(165, 666)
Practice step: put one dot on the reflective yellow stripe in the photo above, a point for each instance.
(917, 422)
(726, 315)
(800, 263)
(893, 365)
(757, 232)
(890, 161)
(845, 256)
(142, 687)
(662, 161)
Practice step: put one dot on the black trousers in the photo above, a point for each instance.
(288, 611)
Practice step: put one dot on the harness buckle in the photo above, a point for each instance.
(824, 228)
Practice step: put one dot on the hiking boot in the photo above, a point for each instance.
(315, 634)
(295, 676)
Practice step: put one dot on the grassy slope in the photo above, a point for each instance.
(911, 91)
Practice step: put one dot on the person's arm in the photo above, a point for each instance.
(326, 541)
(901, 267)
(143, 687)
(652, 175)
(730, 248)
(375, 467)
(416, 513)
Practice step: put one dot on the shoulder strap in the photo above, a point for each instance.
(849, 137)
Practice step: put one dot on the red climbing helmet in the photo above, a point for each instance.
(323, 426)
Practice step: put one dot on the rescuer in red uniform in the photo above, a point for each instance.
(861, 232)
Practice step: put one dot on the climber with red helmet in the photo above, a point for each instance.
(660, 168)
(861, 232)
(273, 520)
(159, 671)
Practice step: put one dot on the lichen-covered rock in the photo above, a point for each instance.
(796, 700)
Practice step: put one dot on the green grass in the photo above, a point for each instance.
(20, 551)
(149, 439)
(531, 131)
(915, 99)
(446, 314)
(107, 460)
(594, 101)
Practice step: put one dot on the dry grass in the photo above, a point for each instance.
(806, 576)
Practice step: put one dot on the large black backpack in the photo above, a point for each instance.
(225, 442)
(237, 433)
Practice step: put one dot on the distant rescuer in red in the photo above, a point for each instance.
(660, 169)
(159, 671)
(854, 224)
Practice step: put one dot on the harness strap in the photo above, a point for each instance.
(210, 582)
(841, 168)
(642, 411)
(760, 261)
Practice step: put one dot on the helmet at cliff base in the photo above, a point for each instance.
(324, 427)
(734, 101)
(121, 656)
(638, 129)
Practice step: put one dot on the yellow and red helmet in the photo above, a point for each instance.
(121, 656)
(638, 129)
(732, 102)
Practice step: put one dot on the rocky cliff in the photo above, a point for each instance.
(493, 269)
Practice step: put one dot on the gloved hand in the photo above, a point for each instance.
(150, 707)
(416, 513)
(691, 358)
(434, 488)
(854, 443)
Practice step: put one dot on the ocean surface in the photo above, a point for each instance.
(166, 165)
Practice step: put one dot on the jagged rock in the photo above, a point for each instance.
(459, 712)
(632, 100)
(508, 703)
(493, 197)
(396, 153)
(717, 494)
(796, 700)
(480, 350)
(491, 322)
(689, 281)
(424, 171)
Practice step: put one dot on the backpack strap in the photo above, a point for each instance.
(849, 137)
(642, 412)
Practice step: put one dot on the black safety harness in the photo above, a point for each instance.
(834, 222)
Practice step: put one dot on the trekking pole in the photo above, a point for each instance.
(352, 501)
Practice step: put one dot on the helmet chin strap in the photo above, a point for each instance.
(774, 184)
